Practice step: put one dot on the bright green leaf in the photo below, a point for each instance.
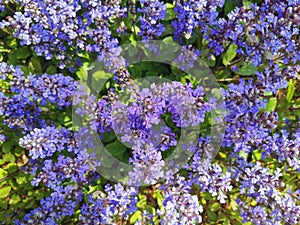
(272, 103)
(135, 216)
(247, 3)
(170, 14)
(230, 54)
(4, 192)
(215, 207)
(290, 91)
(14, 199)
(9, 158)
(3, 173)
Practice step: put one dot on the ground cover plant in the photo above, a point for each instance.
(69, 96)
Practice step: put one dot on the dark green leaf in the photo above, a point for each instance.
(23, 52)
(116, 148)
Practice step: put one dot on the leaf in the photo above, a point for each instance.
(9, 158)
(23, 52)
(230, 54)
(170, 14)
(4, 192)
(229, 6)
(215, 207)
(51, 70)
(35, 64)
(212, 216)
(135, 216)
(14, 199)
(116, 148)
(22, 179)
(108, 137)
(290, 91)
(247, 4)
(272, 103)
(142, 201)
(3, 173)
(6, 147)
(234, 205)
(82, 73)
(246, 70)
(168, 39)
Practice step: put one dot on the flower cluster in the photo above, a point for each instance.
(152, 13)
(56, 27)
(24, 108)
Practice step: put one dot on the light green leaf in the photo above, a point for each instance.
(135, 216)
(170, 14)
(215, 207)
(4, 192)
(247, 3)
(230, 54)
(3, 173)
(271, 106)
(290, 91)
(14, 199)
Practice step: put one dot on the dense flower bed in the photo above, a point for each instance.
(50, 175)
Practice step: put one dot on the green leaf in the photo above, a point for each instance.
(6, 147)
(35, 64)
(14, 199)
(272, 103)
(98, 80)
(234, 205)
(215, 207)
(23, 52)
(170, 14)
(82, 73)
(142, 201)
(11, 167)
(230, 54)
(135, 216)
(3, 173)
(168, 39)
(290, 91)
(116, 148)
(51, 70)
(9, 158)
(22, 179)
(4, 192)
(212, 216)
(247, 3)
(3, 205)
(247, 70)
(108, 137)
(229, 6)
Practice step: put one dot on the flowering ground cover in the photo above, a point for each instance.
(150, 112)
